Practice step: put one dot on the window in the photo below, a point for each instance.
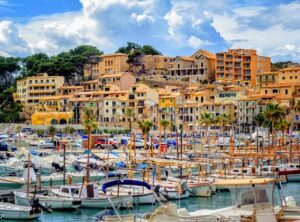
(286, 91)
(283, 78)
(107, 103)
(291, 77)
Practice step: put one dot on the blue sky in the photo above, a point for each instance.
(175, 27)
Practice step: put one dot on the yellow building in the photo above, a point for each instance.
(241, 65)
(51, 118)
(108, 64)
(31, 89)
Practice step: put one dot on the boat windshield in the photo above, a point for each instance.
(248, 195)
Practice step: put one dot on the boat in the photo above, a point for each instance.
(90, 197)
(53, 202)
(16, 212)
(253, 201)
(136, 189)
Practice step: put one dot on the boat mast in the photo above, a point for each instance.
(28, 173)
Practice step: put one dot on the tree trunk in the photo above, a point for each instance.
(130, 124)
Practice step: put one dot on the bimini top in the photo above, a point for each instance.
(125, 182)
(241, 182)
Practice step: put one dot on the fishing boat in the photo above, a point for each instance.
(16, 212)
(48, 201)
(138, 192)
(90, 197)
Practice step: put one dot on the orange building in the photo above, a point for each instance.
(289, 75)
(241, 65)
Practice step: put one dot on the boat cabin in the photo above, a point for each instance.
(85, 191)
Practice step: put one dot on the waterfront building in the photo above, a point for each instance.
(51, 118)
(31, 89)
(241, 66)
(199, 67)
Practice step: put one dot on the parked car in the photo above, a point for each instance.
(102, 143)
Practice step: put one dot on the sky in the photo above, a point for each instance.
(174, 27)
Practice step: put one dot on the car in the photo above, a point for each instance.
(102, 143)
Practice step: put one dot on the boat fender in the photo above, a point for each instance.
(100, 216)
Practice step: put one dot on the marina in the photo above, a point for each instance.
(119, 182)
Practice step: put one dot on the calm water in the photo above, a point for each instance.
(217, 201)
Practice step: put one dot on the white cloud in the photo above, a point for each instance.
(195, 42)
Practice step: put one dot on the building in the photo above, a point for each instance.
(266, 78)
(199, 67)
(31, 89)
(124, 80)
(108, 64)
(289, 76)
(156, 65)
(241, 65)
(51, 118)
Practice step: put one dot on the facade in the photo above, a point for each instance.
(51, 118)
(199, 67)
(241, 65)
(266, 78)
(289, 76)
(156, 65)
(108, 64)
(31, 89)
(124, 80)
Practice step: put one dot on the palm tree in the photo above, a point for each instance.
(145, 126)
(69, 130)
(130, 115)
(19, 128)
(165, 124)
(273, 113)
(89, 124)
(282, 125)
(206, 119)
(223, 120)
(52, 131)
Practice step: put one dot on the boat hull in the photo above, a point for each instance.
(53, 203)
(123, 202)
(14, 212)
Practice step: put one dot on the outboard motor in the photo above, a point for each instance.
(100, 216)
(36, 206)
(57, 167)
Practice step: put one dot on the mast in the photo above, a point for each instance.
(28, 173)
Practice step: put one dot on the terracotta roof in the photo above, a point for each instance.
(186, 58)
(277, 85)
(71, 87)
(56, 97)
(111, 75)
(91, 81)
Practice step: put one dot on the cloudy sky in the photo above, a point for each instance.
(175, 27)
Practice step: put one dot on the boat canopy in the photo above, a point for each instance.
(240, 182)
(125, 182)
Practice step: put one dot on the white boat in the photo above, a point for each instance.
(52, 202)
(16, 212)
(90, 197)
(253, 201)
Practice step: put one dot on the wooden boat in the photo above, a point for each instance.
(16, 212)
(53, 202)
(90, 197)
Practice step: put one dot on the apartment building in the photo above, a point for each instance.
(107, 64)
(241, 65)
(31, 89)
(199, 67)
